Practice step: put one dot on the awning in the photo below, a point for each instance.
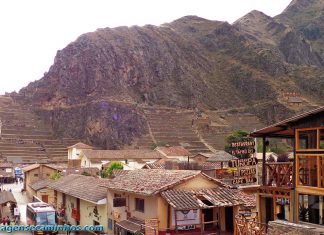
(6, 196)
(132, 225)
(201, 198)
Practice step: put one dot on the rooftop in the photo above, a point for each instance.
(219, 156)
(6, 196)
(201, 198)
(80, 146)
(155, 181)
(176, 151)
(284, 128)
(40, 184)
(122, 154)
(84, 187)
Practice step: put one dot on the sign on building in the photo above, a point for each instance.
(186, 217)
(151, 227)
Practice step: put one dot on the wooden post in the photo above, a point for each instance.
(201, 222)
(175, 221)
(264, 150)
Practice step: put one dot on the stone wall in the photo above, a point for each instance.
(283, 227)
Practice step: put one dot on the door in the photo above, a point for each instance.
(229, 219)
(269, 209)
(45, 198)
(208, 217)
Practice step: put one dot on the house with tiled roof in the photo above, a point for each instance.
(131, 159)
(74, 153)
(37, 172)
(81, 200)
(41, 190)
(174, 152)
(169, 201)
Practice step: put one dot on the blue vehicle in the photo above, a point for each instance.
(19, 173)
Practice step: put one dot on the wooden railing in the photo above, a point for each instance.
(279, 174)
(249, 226)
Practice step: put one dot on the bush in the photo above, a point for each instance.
(55, 175)
(113, 166)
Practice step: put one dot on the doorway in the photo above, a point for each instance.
(45, 198)
(208, 217)
(229, 219)
(268, 209)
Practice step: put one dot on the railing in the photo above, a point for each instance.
(279, 174)
(245, 226)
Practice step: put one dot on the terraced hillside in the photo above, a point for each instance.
(224, 123)
(181, 127)
(174, 127)
(25, 138)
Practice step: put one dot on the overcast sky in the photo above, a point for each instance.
(33, 30)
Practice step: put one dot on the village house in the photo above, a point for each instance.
(38, 172)
(174, 152)
(7, 174)
(74, 153)
(80, 200)
(41, 190)
(294, 190)
(131, 159)
(169, 201)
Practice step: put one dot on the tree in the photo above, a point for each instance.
(55, 175)
(113, 166)
(236, 136)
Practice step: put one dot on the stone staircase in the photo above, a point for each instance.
(25, 138)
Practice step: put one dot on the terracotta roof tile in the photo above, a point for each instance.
(195, 199)
(80, 186)
(174, 151)
(6, 196)
(122, 154)
(80, 146)
(40, 184)
(149, 181)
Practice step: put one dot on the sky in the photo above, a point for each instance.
(32, 31)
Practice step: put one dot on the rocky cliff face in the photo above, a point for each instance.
(98, 83)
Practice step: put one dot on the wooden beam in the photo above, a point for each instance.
(264, 149)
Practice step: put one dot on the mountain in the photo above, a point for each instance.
(100, 85)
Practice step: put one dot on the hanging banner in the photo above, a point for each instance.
(186, 217)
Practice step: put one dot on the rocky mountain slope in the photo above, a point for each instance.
(99, 84)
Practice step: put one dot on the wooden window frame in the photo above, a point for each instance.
(317, 129)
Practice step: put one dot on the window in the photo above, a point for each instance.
(139, 204)
(311, 209)
(308, 170)
(35, 175)
(321, 143)
(307, 139)
(119, 202)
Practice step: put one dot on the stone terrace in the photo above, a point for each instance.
(174, 127)
(25, 138)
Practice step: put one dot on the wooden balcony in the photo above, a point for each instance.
(279, 174)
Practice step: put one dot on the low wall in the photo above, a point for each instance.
(283, 227)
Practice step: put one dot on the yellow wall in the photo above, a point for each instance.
(196, 183)
(46, 191)
(87, 216)
(150, 207)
